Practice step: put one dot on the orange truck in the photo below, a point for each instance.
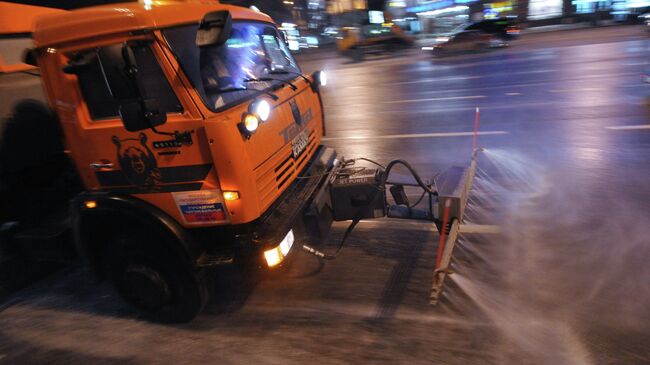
(177, 136)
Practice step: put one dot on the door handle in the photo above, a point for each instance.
(101, 165)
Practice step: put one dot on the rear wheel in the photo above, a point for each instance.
(160, 285)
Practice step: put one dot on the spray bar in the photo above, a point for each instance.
(453, 190)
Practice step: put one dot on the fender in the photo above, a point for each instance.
(91, 227)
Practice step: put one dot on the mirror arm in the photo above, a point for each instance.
(162, 133)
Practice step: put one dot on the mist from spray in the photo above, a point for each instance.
(564, 282)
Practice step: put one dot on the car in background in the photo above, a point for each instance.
(483, 35)
(465, 41)
(501, 28)
(291, 36)
(645, 19)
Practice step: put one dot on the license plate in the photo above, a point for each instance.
(299, 143)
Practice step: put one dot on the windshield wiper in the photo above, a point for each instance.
(263, 79)
(231, 89)
(287, 72)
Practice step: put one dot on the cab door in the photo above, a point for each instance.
(151, 163)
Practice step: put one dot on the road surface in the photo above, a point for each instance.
(559, 276)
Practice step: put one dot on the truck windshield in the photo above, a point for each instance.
(225, 75)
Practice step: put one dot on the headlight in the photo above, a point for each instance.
(277, 254)
(263, 110)
(319, 79)
(251, 123)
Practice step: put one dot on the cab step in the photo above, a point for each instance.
(215, 259)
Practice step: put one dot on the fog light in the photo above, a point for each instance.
(230, 195)
(273, 257)
(277, 254)
(251, 123)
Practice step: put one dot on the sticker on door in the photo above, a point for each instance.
(200, 207)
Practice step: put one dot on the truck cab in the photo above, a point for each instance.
(196, 140)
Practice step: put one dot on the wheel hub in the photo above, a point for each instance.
(146, 287)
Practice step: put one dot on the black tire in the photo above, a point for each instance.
(159, 285)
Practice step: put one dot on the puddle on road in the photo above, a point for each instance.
(564, 282)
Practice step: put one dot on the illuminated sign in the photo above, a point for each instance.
(544, 9)
(376, 16)
(434, 5)
(397, 4)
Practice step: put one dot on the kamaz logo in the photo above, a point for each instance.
(293, 129)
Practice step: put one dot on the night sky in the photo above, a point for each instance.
(68, 4)
(71, 4)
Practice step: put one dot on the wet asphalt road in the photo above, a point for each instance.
(565, 180)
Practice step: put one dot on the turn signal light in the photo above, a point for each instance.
(231, 195)
(91, 204)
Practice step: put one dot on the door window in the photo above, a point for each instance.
(95, 90)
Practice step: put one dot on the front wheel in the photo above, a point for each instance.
(158, 284)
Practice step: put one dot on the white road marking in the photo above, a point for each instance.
(479, 228)
(451, 78)
(514, 94)
(629, 127)
(532, 72)
(418, 135)
(435, 99)
(576, 90)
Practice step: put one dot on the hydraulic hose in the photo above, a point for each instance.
(382, 187)
(411, 170)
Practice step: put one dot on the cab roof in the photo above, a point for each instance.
(103, 20)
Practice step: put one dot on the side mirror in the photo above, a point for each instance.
(141, 115)
(215, 29)
(29, 57)
(79, 63)
(120, 71)
(126, 83)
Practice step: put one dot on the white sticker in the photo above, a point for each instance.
(201, 206)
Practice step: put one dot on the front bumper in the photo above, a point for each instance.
(304, 209)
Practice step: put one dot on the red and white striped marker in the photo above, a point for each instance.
(443, 232)
(475, 144)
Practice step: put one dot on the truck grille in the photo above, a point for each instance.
(278, 172)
